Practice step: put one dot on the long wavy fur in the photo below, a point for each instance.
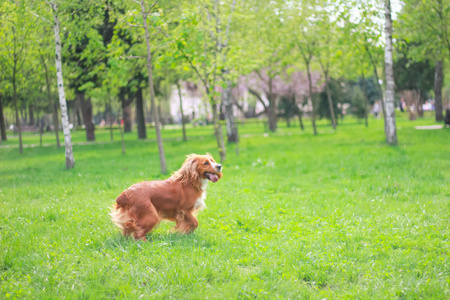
(188, 174)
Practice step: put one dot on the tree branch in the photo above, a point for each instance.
(251, 91)
(218, 46)
(261, 77)
(129, 24)
(159, 47)
(196, 70)
(130, 57)
(38, 16)
(35, 14)
(228, 25)
(151, 7)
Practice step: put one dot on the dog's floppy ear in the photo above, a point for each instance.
(192, 169)
(188, 173)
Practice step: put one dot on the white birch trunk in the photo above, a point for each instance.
(232, 131)
(70, 161)
(390, 127)
(162, 157)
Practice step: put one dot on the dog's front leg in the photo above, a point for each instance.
(186, 222)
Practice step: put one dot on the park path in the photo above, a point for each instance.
(82, 143)
(201, 137)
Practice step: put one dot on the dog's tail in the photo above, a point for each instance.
(121, 217)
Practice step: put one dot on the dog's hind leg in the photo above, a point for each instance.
(146, 219)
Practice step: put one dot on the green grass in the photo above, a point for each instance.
(340, 215)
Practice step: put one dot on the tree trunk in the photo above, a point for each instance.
(162, 157)
(447, 117)
(111, 119)
(142, 133)
(161, 120)
(19, 126)
(2, 121)
(122, 137)
(325, 70)
(41, 129)
(272, 113)
(56, 124)
(32, 121)
(390, 126)
(51, 104)
(438, 79)
(232, 131)
(24, 113)
(300, 120)
(18, 122)
(330, 104)
(70, 162)
(183, 125)
(126, 108)
(380, 90)
(78, 116)
(366, 99)
(420, 103)
(126, 115)
(218, 131)
(313, 112)
(86, 110)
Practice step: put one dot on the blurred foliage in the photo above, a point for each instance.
(359, 103)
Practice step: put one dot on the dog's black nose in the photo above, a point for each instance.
(219, 167)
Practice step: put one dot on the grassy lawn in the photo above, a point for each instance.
(340, 215)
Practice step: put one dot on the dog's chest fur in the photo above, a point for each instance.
(200, 202)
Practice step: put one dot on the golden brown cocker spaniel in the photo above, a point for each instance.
(142, 206)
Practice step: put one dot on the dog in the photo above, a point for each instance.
(142, 206)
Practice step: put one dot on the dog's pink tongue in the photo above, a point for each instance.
(213, 177)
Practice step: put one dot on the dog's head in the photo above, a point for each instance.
(197, 168)
(207, 168)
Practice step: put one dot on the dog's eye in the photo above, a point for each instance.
(206, 163)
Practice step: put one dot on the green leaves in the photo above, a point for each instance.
(430, 35)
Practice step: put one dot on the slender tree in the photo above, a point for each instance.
(304, 40)
(145, 11)
(2, 120)
(17, 63)
(2, 115)
(142, 133)
(430, 37)
(183, 125)
(390, 126)
(205, 58)
(306, 54)
(325, 55)
(50, 100)
(438, 79)
(366, 98)
(70, 161)
(54, 6)
(232, 131)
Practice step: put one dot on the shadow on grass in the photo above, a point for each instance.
(120, 242)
